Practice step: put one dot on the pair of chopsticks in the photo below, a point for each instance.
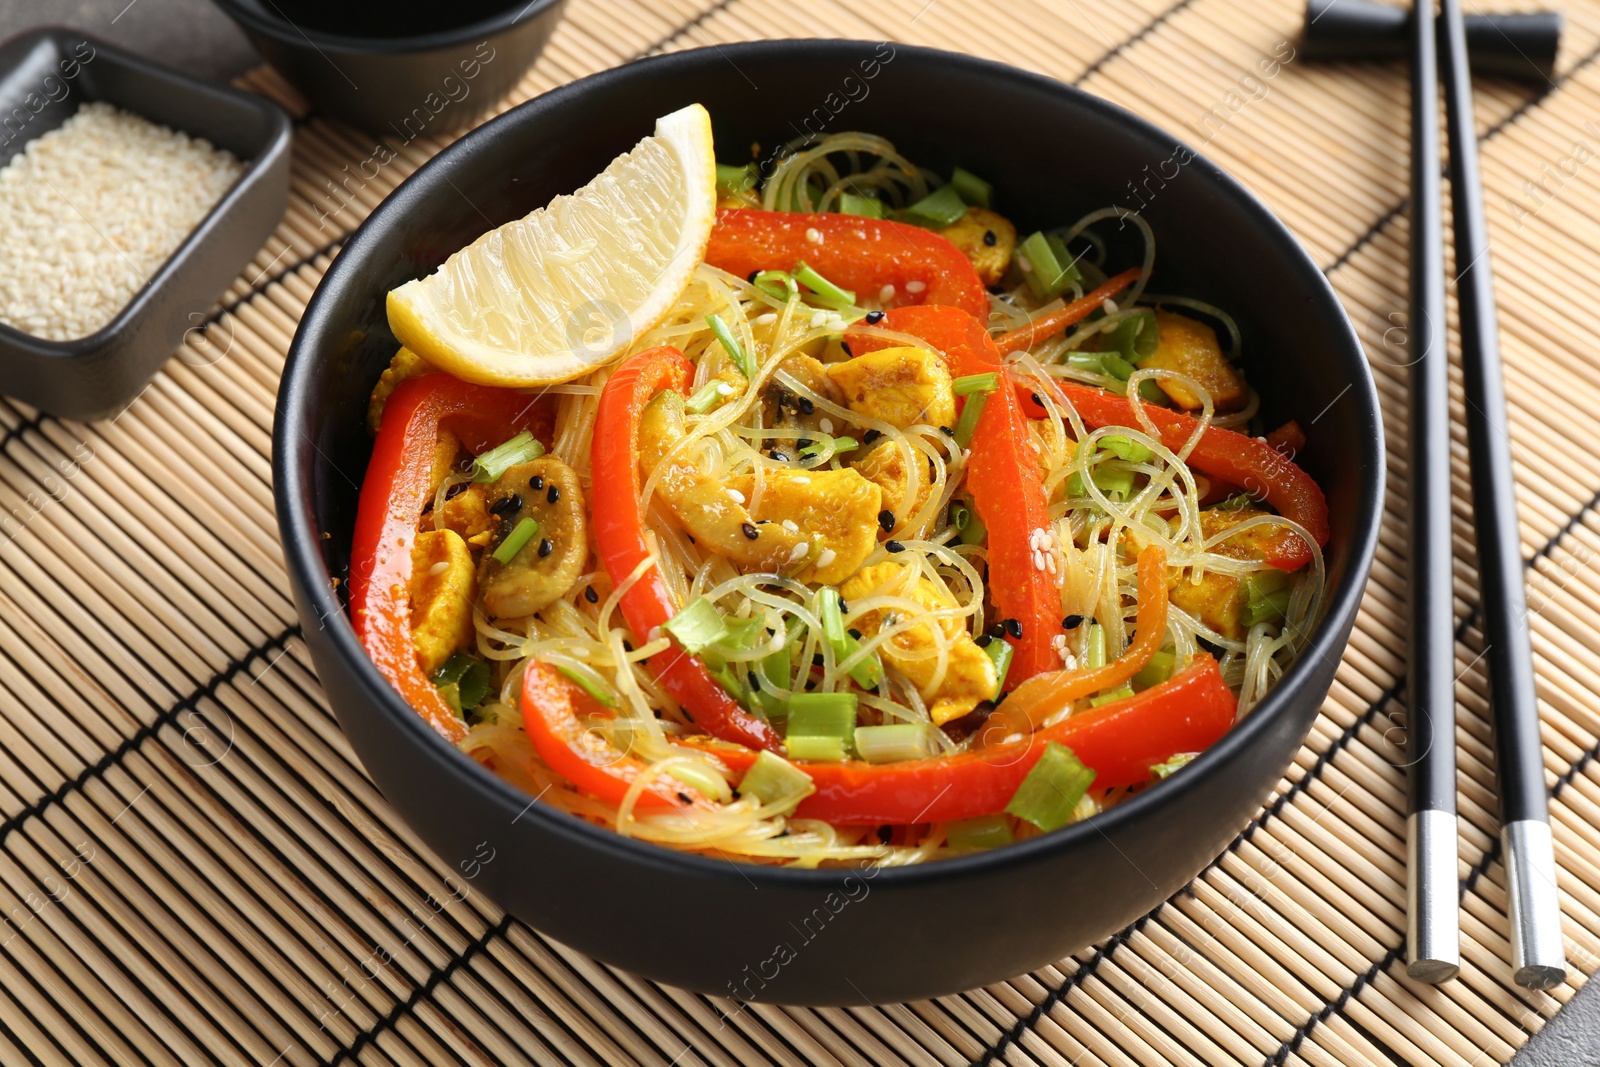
(1433, 950)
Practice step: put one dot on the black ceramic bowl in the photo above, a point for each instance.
(832, 936)
(45, 76)
(401, 67)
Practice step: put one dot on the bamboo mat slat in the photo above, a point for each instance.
(194, 868)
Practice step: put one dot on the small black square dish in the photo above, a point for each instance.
(129, 133)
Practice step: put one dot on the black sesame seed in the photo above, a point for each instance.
(853, 632)
(844, 609)
(536, 483)
(755, 682)
(871, 436)
(947, 431)
(874, 317)
(779, 456)
(506, 505)
(846, 346)
(805, 442)
(456, 490)
(989, 238)
(806, 406)
(683, 798)
(1072, 622)
(546, 546)
(1014, 628)
(894, 546)
(816, 659)
(591, 596)
(749, 531)
(996, 630)
(886, 520)
(554, 494)
(984, 641)
(998, 290)
(1037, 399)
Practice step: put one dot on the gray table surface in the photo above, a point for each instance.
(195, 36)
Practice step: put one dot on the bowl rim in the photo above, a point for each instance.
(275, 143)
(288, 32)
(302, 556)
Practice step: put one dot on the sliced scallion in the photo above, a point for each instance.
(1168, 767)
(968, 384)
(960, 516)
(1157, 669)
(1136, 337)
(869, 206)
(869, 672)
(1124, 447)
(971, 412)
(1266, 596)
(735, 350)
(1049, 795)
(1047, 274)
(489, 466)
(940, 208)
(1120, 693)
(893, 743)
(971, 188)
(588, 679)
(469, 675)
(776, 284)
(1094, 646)
(1115, 366)
(985, 831)
(822, 715)
(705, 398)
(823, 291)
(774, 780)
(829, 445)
(698, 626)
(525, 531)
(1001, 651)
(735, 181)
(975, 533)
(820, 749)
(700, 778)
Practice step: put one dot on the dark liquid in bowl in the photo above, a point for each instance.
(386, 18)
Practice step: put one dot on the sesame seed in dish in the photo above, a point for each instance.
(92, 209)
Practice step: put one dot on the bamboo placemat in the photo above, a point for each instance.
(194, 868)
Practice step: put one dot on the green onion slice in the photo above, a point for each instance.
(1001, 652)
(698, 626)
(1156, 670)
(940, 208)
(1049, 795)
(705, 398)
(971, 188)
(489, 466)
(976, 383)
(1120, 693)
(1048, 270)
(1094, 646)
(525, 530)
(469, 675)
(1124, 447)
(829, 715)
(735, 350)
(894, 743)
(823, 291)
(985, 831)
(588, 679)
(776, 284)
(774, 780)
(971, 412)
(810, 747)
(1169, 767)
(733, 181)
(868, 206)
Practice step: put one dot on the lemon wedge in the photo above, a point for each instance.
(566, 288)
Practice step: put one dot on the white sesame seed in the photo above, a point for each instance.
(788, 524)
(826, 425)
(819, 319)
(144, 186)
(827, 557)
(1038, 560)
(767, 319)
(724, 389)
(1110, 305)
(814, 235)
(1024, 265)
(438, 568)
(915, 287)
(836, 322)
(799, 552)
(1050, 563)
(800, 479)
(886, 294)
(738, 497)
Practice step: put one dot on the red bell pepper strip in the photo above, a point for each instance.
(551, 710)
(1047, 326)
(1255, 466)
(619, 532)
(1005, 479)
(1121, 741)
(393, 495)
(854, 252)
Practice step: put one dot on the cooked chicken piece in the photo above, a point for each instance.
(987, 238)
(1258, 542)
(1190, 347)
(832, 513)
(703, 505)
(405, 364)
(467, 513)
(547, 491)
(1216, 600)
(442, 589)
(900, 386)
(969, 676)
(885, 467)
(783, 408)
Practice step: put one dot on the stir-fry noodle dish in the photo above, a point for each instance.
(805, 511)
